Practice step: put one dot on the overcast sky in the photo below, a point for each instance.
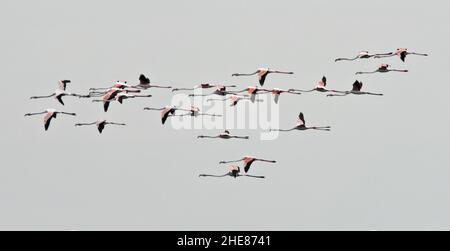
(384, 165)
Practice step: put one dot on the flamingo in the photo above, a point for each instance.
(94, 92)
(201, 86)
(119, 84)
(220, 91)
(253, 91)
(224, 135)
(362, 55)
(165, 112)
(49, 114)
(402, 53)
(112, 94)
(382, 69)
(59, 93)
(248, 161)
(234, 172)
(357, 86)
(302, 126)
(121, 96)
(320, 87)
(277, 92)
(262, 74)
(234, 99)
(100, 124)
(144, 83)
(194, 112)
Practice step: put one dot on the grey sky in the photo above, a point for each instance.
(384, 165)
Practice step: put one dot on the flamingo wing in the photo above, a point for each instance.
(383, 67)
(235, 170)
(101, 126)
(108, 97)
(357, 86)
(59, 98)
(165, 114)
(248, 162)
(276, 97)
(247, 166)
(204, 86)
(403, 55)
(143, 80)
(301, 119)
(63, 84)
(262, 78)
(47, 119)
(105, 106)
(120, 98)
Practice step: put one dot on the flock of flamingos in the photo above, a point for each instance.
(121, 91)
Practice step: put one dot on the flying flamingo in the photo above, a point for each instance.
(96, 92)
(200, 86)
(382, 69)
(49, 114)
(220, 91)
(119, 84)
(234, 99)
(194, 112)
(59, 93)
(320, 87)
(234, 172)
(224, 135)
(100, 124)
(248, 161)
(165, 112)
(112, 94)
(357, 86)
(277, 92)
(302, 126)
(262, 74)
(253, 91)
(402, 53)
(121, 96)
(362, 55)
(144, 83)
